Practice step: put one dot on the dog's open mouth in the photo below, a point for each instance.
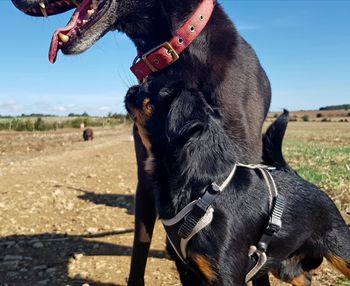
(90, 21)
(87, 14)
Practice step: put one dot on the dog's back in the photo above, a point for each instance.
(329, 231)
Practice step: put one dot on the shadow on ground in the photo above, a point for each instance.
(111, 200)
(44, 259)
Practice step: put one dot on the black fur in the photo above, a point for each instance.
(272, 142)
(219, 63)
(191, 149)
(223, 66)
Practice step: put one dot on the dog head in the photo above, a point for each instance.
(148, 106)
(180, 129)
(147, 22)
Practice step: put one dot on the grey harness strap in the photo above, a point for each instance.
(173, 226)
(199, 214)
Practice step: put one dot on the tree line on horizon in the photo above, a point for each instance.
(84, 114)
(122, 116)
(54, 123)
(335, 107)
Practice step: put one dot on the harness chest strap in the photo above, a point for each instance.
(199, 214)
(172, 227)
(188, 222)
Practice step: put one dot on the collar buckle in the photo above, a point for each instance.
(170, 51)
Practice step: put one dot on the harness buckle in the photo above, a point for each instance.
(199, 209)
(275, 222)
(214, 188)
(274, 225)
(260, 257)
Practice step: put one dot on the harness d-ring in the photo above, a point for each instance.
(262, 258)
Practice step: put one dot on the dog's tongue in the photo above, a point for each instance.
(56, 43)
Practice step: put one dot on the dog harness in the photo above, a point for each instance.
(169, 52)
(199, 213)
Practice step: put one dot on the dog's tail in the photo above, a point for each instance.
(272, 142)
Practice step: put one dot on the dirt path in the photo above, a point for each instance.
(66, 211)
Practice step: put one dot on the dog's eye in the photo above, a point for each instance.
(148, 106)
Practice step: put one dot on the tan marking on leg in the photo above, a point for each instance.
(275, 273)
(300, 280)
(141, 115)
(205, 266)
(144, 237)
(340, 264)
(140, 120)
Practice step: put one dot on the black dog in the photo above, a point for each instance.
(219, 63)
(88, 134)
(189, 149)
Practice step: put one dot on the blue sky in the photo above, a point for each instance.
(304, 46)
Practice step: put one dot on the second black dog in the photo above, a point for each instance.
(187, 143)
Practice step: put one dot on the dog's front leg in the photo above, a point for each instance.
(262, 281)
(145, 217)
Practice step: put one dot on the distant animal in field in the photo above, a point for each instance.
(88, 134)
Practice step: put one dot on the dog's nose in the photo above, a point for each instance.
(131, 98)
(132, 93)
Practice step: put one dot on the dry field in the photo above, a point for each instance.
(66, 207)
(338, 115)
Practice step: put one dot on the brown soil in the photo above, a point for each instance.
(66, 212)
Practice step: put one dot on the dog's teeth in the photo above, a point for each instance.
(43, 11)
(43, 8)
(64, 38)
(90, 12)
(85, 21)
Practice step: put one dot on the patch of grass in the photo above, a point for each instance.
(306, 118)
(328, 167)
(343, 282)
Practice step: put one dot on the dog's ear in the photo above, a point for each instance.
(188, 116)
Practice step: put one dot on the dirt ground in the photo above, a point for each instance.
(66, 212)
